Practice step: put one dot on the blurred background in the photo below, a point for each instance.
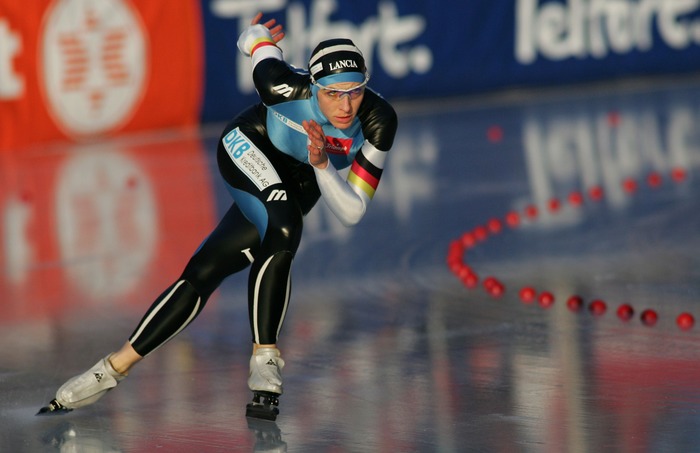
(549, 145)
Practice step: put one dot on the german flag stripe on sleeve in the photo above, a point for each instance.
(363, 178)
(262, 42)
(367, 165)
(362, 185)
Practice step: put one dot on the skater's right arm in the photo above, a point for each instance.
(274, 79)
(259, 41)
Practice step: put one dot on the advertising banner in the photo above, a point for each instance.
(421, 49)
(81, 69)
(76, 69)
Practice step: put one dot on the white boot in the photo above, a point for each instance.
(266, 371)
(88, 387)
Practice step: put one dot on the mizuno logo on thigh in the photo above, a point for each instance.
(277, 195)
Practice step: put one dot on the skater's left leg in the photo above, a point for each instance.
(266, 370)
(265, 380)
(277, 211)
(269, 291)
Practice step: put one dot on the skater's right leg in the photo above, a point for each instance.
(88, 387)
(227, 250)
(125, 358)
(169, 314)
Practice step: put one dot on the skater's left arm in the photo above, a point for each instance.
(348, 198)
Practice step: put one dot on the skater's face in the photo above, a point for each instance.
(340, 102)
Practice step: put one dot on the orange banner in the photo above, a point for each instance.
(76, 70)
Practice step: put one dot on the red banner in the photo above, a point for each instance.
(76, 70)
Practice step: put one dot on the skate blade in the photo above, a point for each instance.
(54, 408)
(261, 412)
(259, 424)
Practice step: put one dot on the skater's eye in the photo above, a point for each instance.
(338, 94)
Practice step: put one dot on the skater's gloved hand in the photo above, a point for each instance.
(316, 144)
(259, 35)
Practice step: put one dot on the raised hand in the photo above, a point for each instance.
(275, 30)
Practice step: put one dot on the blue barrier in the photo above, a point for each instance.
(440, 48)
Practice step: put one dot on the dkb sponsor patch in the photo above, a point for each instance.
(250, 160)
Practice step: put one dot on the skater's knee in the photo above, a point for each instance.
(208, 268)
(202, 277)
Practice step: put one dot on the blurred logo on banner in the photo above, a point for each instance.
(95, 60)
(77, 69)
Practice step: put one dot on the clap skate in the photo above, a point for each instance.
(84, 389)
(265, 380)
